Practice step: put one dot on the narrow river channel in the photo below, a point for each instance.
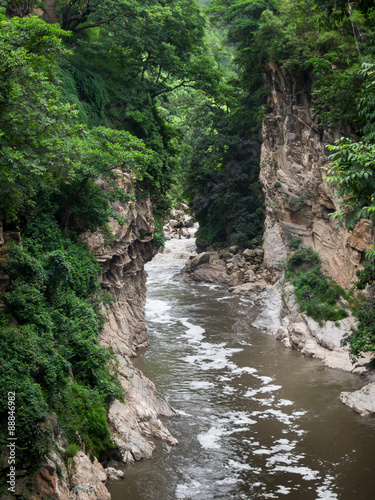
(257, 421)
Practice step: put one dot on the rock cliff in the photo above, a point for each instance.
(135, 421)
(299, 204)
(122, 252)
(299, 201)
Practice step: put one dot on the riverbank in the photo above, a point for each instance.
(255, 419)
(243, 273)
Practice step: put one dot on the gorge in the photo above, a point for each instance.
(110, 125)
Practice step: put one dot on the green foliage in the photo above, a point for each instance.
(32, 120)
(352, 171)
(316, 293)
(55, 297)
(86, 89)
(294, 242)
(362, 337)
(158, 240)
(222, 181)
(71, 450)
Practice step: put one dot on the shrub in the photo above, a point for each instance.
(71, 450)
(316, 293)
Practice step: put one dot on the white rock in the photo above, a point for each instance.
(114, 474)
(362, 401)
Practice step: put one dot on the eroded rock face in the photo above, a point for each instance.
(134, 422)
(123, 276)
(298, 200)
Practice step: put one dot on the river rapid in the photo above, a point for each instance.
(257, 421)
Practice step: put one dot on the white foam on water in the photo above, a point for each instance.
(283, 490)
(265, 380)
(197, 385)
(183, 413)
(267, 388)
(156, 311)
(230, 297)
(237, 418)
(211, 438)
(228, 480)
(245, 369)
(282, 417)
(246, 301)
(184, 491)
(227, 389)
(323, 492)
(194, 333)
(213, 357)
(262, 451)
(284, 402)
(265, 402)
(233, 464)
(306, 473)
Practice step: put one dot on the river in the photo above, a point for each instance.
(257, 420)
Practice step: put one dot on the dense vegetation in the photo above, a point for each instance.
(174, 95)
(317, 294)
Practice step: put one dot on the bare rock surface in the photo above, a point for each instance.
(135, 421)
(299, 202)
(211, 273)
(361, 401)
(88, 479)
(114, 474)
(122, 262)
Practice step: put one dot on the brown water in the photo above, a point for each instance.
(257, 421)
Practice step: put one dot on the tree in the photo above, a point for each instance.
(34, 125)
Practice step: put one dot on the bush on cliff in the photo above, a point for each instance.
(317, 294)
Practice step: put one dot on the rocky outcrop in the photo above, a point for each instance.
(362, 401)
(241, 270)
(134, 422)
(179, 224)
(280, 316)
(122, 259)
(77, 478)
(299, 202)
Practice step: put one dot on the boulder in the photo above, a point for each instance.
(211, 273)
(87, 478)
(114, 474)
(362, 401)
(175, 224)
(202, 258)
(226, 256)
(248, 254)
(236, 260)
(250, 289)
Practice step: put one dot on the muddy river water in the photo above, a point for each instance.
(257, 421)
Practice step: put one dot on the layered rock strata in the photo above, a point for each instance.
(137, 420)
(299, 205)
(299, 202)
